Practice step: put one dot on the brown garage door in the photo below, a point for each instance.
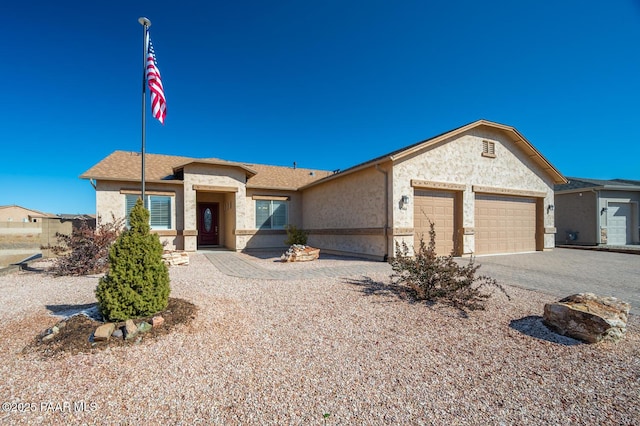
(504, 224)
(438, 207)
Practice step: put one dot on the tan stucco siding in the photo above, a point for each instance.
(110, 200)
(369, 246)
(460, 161)
(250, 237)
(355, 202)
(222, 177)
(19, 214)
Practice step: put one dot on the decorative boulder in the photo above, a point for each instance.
(588, 317)
(300, 253)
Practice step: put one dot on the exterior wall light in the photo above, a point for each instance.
(550, 208)
(404, 200)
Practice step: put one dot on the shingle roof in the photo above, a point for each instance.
(278, 177)
(126, 166)
(586, 183)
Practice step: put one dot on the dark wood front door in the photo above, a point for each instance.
(208, 224)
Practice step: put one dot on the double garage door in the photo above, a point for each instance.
(503, 224)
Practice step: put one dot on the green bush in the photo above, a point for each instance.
(137, 283)
(295, 236)
(441, 278)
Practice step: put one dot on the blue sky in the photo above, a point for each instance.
(327, 84)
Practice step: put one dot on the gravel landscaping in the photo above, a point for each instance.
(352, 350)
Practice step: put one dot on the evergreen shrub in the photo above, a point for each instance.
(295, 236)
(137, 283)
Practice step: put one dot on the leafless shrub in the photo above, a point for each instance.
(441, 278)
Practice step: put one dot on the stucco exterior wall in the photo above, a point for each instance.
(213, 176)
(110, 200)
(19, 214)
(577, 212)
(348, 214)
(252, 238)
(459, 160)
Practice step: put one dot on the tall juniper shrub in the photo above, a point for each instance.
(441, 278)
(137, 283)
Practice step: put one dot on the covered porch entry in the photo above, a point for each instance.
(215, 216)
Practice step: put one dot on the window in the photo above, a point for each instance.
(159, 209)
(488, 149)
(271, 214)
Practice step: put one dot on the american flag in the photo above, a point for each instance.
(158, 101)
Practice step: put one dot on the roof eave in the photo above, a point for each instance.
(118, 179)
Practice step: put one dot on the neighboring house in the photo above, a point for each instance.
(23, 232)
(15, 213)
(595, 212)
(486, 188)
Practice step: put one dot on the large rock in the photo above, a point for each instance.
(588, 317)
(300, 253)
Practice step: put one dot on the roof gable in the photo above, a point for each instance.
(519, 141)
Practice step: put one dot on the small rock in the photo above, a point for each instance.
(117, 333)
(157, 321)
(130, 329)
(104, 332)
(48, 337)
(55, 330)
(143, 327)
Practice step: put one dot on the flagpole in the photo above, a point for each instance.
(146, 23)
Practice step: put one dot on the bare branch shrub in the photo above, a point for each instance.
(441, 278)
(86, 250)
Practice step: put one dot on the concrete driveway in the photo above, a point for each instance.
(562, 272)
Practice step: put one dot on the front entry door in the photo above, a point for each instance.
(208, 224)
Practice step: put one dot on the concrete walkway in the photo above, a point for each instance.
(235, 265)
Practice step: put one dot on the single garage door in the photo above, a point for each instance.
(439, 208)
(504, 224)
(618, 223)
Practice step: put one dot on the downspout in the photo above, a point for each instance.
(386, 212)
